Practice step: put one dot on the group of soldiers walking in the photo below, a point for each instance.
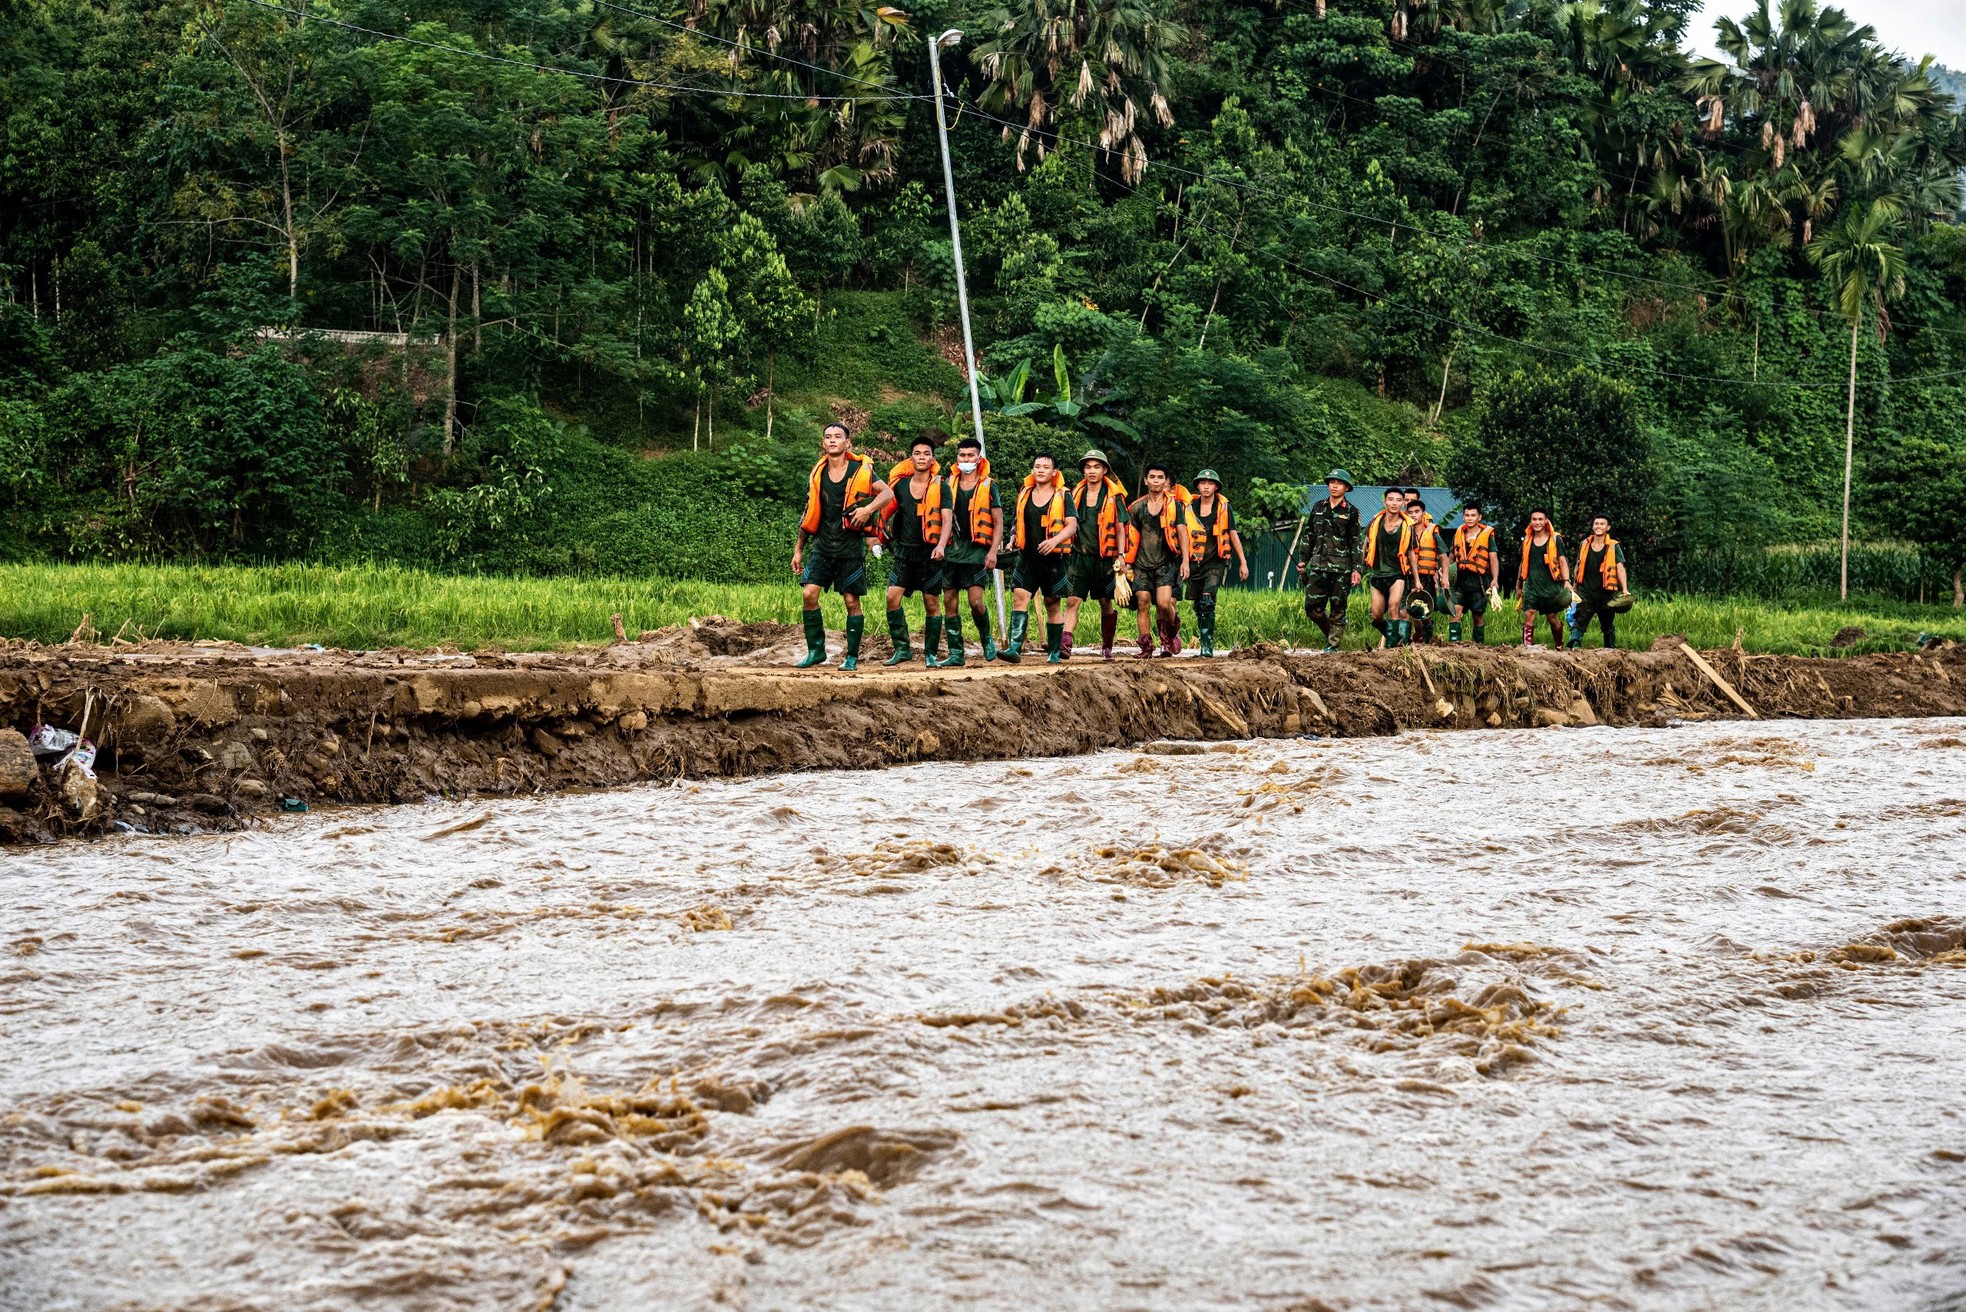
(1413, 572)
(945, 531)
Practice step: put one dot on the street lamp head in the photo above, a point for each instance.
(950, 37)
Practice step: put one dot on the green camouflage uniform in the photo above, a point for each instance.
(1332, 552)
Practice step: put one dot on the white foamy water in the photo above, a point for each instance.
(1642, 1019)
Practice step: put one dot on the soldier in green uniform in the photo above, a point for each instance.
(1099, 504)
(1217, 539)
(1544, 579)
(1600, 576)
(911, 508)
(838, 519)
(972, 530)
(1333, 552)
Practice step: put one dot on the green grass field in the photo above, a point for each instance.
(386, 606)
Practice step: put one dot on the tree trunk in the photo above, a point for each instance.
(771, 400)
(477, 315)
(1441, 404)
(450, 361)
(1958, 588)
(1849, 450)
(696, 423)
(712, 425)
(287, 212)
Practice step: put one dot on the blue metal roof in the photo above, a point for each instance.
(1370, 499)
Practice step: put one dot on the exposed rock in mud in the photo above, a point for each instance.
(196, 737)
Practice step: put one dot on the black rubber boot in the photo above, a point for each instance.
(897, 630)
(1054, 644)
(1205, 621)
(1020, 623)
(815, 640)
(855, 626)
(982, 619)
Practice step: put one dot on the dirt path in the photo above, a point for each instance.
(200, 737)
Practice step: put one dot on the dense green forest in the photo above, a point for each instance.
(568, 285)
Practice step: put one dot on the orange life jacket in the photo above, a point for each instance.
(982, 519)
(1609, 567)
(1426, 549)
(1474, 552)
(1405, 541)
(1219, 531)
(928, 509)
(859, 488)
(1052, 513)
(1176, 526)
(1552, 554)
(1109, 516)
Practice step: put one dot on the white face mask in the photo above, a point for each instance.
(966, 466)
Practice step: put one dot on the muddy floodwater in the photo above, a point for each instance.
(1668, 1018)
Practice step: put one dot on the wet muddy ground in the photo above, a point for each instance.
(202, 738)
(1648, 1018)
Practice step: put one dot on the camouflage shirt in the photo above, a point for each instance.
(1333, 539)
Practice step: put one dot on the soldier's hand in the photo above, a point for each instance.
(1355, 578)
(937, 553)
(990, 561)
(1244, 572)
(862, 515)
(1300, 569)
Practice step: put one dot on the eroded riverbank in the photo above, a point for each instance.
(1644, 1018)
(194, 739)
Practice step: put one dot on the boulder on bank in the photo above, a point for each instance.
(17, 768)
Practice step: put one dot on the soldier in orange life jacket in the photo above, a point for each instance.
(972, 531)
(838, 520)
(911, 509)
(1544, 579)
(1099, 554)
(1429, 566)
(1044, 523)
(1599, 576)
(1477, 567)
(1158, 542)
(1215, 539)
(1389, 568)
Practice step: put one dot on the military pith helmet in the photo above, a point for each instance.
(1418, 606)
(1340, 476)
(1094, 453)
(1210, 476)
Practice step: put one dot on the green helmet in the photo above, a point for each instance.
(1419, 606)
(1209, 475)
(1340, 476)
(1094, 453)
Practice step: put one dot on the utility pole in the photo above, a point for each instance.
(950, 38)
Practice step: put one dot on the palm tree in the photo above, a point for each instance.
(1859, 260)
(1044, 55)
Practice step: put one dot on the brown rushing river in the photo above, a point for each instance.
(1626, 1018)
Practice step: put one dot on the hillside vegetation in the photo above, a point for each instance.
(600, 270)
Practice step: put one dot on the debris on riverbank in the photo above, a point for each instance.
(199, 737)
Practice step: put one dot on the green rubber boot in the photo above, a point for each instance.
(931, 638)
(952, 629)
(1054, 644)
(856, 625)
(1453, 630)
(897, 629)
(815, 640)
(1020, 623)
(1402, 633)
(982, 619)
(1481, 635)
(1205, 621)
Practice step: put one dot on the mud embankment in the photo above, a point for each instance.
(197, 738)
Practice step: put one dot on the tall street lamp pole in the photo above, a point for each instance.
(950, 38)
